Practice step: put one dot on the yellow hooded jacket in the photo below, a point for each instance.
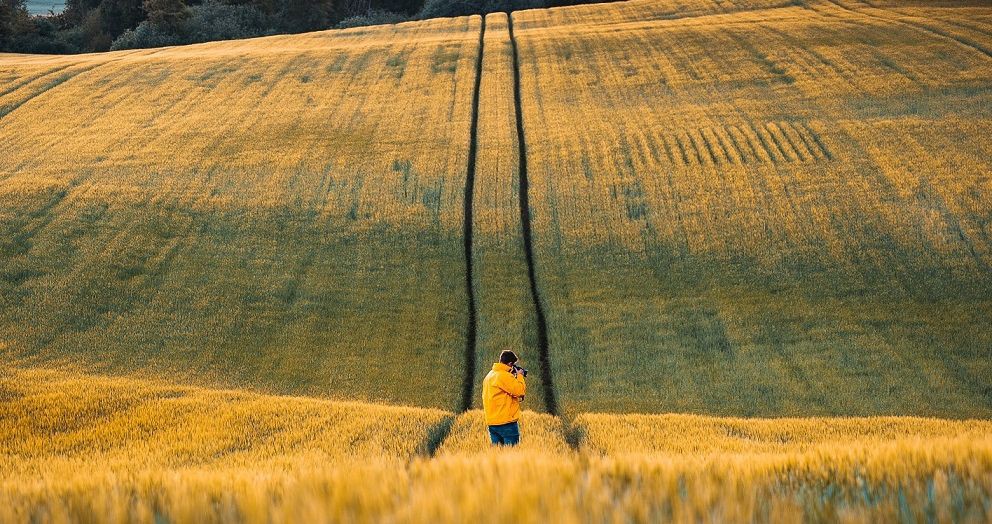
(501, 395)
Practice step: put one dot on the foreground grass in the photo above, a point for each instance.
(530, 487)
(77, 447)
(54, 421)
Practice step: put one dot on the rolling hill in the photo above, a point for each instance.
(230, 212)
(772, 210)
(743, 247)
(768, 209)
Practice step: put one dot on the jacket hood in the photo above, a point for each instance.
(499, 366)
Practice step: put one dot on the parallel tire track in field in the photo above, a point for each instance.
(59, 79)
(469, 383)
(550, 400)
(27, 80)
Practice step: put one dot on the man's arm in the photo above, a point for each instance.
(514, 385)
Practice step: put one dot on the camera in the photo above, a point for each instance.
(514, 368)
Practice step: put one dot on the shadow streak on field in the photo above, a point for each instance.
(46, 82)
(229, 298)
(436, 436)
(709, 336)
(896, 19)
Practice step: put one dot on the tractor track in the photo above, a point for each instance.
(62, 75)
(468, 385)
(550, 397)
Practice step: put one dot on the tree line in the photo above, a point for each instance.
(103, 25)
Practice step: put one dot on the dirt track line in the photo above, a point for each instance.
(25, 81)
(436, 436)
(468, 385)
(550, 398)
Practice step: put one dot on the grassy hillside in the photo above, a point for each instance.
(757, 208)
(763, 208)
(82, 447)
(55, 420)
(671, 209)
(283, 213)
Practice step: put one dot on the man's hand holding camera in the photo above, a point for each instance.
(517, 370)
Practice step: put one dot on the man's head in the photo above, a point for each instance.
(507, 357)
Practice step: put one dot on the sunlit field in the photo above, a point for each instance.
(74, 446)
(228, 212)
(768, 210)
(743, 248)
(763, 208)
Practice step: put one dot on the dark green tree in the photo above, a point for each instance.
(117, 16)
(166, 14)
(77, 10)
(305, 15)
(13, 16)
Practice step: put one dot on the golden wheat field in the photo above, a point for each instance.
(743, 247)
(227, 211)
(81, 447)
(769, 209)
(766, 209)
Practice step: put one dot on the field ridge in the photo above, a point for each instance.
(755, 215)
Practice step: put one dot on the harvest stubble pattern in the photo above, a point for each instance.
(755, 213)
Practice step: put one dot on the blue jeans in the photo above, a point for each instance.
(505, 434)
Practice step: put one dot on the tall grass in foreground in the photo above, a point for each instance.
(539, 432)
(77, 447)
(699, 435)
(908, 482)
(57, 424)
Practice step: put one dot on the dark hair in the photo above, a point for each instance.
(507, 357)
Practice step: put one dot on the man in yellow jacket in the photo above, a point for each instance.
(502, 390)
